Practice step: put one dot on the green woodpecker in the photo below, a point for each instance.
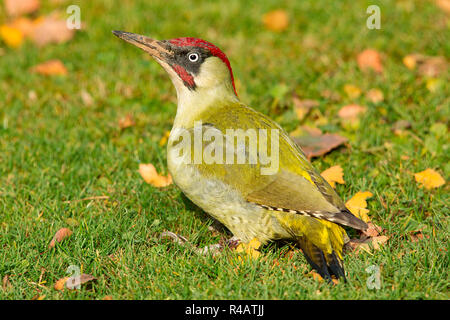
(240, 166)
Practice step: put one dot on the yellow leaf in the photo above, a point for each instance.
(352, 91)
(12, 37)
(358, 205)
(164, 138)
(149, 174)
(429, 179)
(250, 248)
(410, 61)
(276, 20)
(334, 174)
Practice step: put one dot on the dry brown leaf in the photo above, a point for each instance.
(358, 205)
(149, 174)
(426, 65)
(351, 112)
(373, 230)
(6, 284)
(51, 67)
(302, 107)
(86, 98)
(50, 30)
(375, 95)
(73, 282)
(126, 122)
(11, 36)
(370, 59)
(314, 143)
(334, 174)
(352, 91)
(59, 236)
(276, 20)
(364, 244)
(21, 7)
(429, 179)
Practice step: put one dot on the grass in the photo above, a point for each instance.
(54, 147)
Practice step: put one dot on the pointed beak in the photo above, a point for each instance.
(157, 49)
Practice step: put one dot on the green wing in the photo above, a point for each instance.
(294, 187)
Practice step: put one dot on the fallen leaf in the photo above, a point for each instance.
(107, 298)
(6, 284)
(25, 25)
(164, 138)
(433, 84)
(316, 276)
(86, 98)
(276, 20)
(334, 174)
(400, 126)
(302, 107)
(429, 179)
(444, 5)
(50, 29)
(149, 174)
(73, 283)
(59, 236)
(12, 37)
(314, 143)
(251, 248)
(126, 122)
(426, 65)
(60, 284)
(410, 62)
(370, 59)
(352, 91)
(21, 7)
(357, 245)
(358, 205)
(416, 235)
(51, 67)
(375, 95)
(373, 230)
(351, 112)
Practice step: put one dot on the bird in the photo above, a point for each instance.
(228, 172)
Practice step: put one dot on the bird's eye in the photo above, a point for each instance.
(193, 57)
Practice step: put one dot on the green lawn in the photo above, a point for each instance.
(55, 147)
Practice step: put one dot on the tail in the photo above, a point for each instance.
(326, 265)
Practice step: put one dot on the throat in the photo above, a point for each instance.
(192, 104)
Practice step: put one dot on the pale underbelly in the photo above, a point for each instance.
(245, 220)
